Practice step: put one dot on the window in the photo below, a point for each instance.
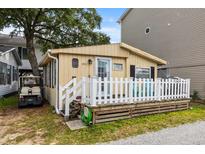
(117, 67)
(54, 74)
(3, 73)
(23, 54)
(142, 73)
(15, 73)
(8, 74)
(147, 30)
(75, 62)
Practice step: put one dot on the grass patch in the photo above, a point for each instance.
(42, 123)
(10, 101)
(55, 131)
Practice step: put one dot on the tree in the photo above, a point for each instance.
(53, 28)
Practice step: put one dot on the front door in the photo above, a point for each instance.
(104, 71)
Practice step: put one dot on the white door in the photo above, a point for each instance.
(103, 70)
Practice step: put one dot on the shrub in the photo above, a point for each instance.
(195, 95)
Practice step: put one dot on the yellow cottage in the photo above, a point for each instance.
(117, 61)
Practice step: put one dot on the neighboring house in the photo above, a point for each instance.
(62, 66)
(20, 44)
(177, 35)
(9, 62)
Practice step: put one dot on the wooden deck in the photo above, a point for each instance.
(105, 113)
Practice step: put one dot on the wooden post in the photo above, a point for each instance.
(93, 91)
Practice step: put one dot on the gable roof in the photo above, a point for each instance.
(124, 15)
(109, 50)
(6, 49)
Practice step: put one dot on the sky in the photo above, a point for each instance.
(109, 23)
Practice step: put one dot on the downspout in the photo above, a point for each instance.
(57, 84)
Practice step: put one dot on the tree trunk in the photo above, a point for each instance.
(32, 56)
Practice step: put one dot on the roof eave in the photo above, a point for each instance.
(143, 54)
(124, 15)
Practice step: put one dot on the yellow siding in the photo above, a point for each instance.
(110, 50)
(66, 72)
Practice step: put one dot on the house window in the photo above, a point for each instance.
(142, 72)
(15, 73)
(23, 54)
(54, 74)
(8, 74)
(147, 30)
(3, 68)
(117, 67)
(75, 62)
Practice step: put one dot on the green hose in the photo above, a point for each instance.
(86, 117)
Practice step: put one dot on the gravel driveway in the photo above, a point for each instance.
(184, 134)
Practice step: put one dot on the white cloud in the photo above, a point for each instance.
(113, 32)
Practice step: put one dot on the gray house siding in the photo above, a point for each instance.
(176, 35)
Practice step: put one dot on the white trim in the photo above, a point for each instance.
(96, 65)
(8, 51)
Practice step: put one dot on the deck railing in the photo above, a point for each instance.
(97, 91)
(129, 90)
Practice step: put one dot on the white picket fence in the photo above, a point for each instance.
(129, 90)
(97, 91)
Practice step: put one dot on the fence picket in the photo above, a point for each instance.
(121, 90)
(105, 90)
(130, 90)
(111, 90)
(116, 90)
(135, 89)
(99, 90)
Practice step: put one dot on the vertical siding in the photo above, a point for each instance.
(66, 72)
(176, 35)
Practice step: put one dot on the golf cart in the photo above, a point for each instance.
(30, 91)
